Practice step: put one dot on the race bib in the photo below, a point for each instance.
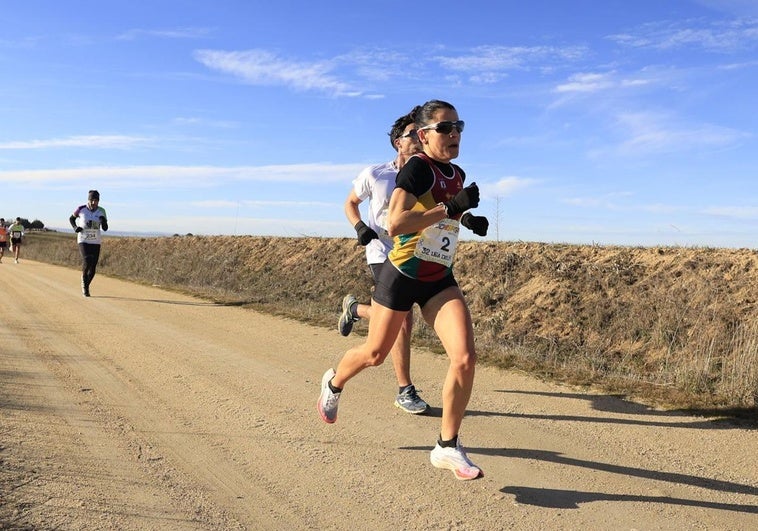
(16, 234)
(90, 234)
(438, 242)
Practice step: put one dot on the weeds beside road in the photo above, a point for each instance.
(672, 326)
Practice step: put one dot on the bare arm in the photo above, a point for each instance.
(404, 220)
(352, 212)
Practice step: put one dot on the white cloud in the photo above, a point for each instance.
(485, 65)
(739, 66)
(260, 67)
(166, 177)
(170, 33)
(203, 122)
(84, 141)
(257, 203)
(718, 36)
(498, 58)
(736, 212)
(587, 82)
(653, 133)
(208, 225)
(507, 186)
(592, 82)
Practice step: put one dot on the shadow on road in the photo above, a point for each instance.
(168, 301)
(570, 499)
(745, 418)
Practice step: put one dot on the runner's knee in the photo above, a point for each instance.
(464, 363)
(376, 357)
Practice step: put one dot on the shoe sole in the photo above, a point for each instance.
(419, 412)
(323, 416)
(463, 474)
(348, 326)
(324, 383)
(344, 331)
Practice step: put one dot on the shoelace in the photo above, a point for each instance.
(413, 393)
(463, 454)
(331, 400)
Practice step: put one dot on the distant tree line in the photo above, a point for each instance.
(33, 225)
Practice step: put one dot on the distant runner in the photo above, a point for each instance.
(17, 236)
(3, 238)
(87, 221)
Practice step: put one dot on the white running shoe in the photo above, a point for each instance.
(328, 401)
(455, 459)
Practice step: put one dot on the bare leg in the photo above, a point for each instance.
(448, 314)
(401, 350)
(383, 328)
(363, 310)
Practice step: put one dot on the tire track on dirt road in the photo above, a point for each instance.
(179, 413)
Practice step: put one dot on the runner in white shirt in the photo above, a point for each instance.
(16, 230)
(88, 221)
(376, 184)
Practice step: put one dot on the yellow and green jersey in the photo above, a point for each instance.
(427, 255)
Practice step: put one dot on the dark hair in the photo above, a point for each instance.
(423, 114)
(398, 128)
(93, 194)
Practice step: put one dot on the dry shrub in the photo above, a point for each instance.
(680, 324)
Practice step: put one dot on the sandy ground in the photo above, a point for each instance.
(140, 408)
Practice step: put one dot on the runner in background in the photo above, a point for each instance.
(88, 221)
(3, 238)
(375, 184)
(17, 237)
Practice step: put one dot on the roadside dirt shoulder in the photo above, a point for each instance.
(144, 409)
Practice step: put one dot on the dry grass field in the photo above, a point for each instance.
(677, 327)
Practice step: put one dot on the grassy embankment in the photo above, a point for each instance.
(669, 326)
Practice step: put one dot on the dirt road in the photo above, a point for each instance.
(140, 408)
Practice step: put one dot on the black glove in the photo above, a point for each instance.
(478, 224)
(463, 200)
(78, 229)
(365, 233)
(103, 223)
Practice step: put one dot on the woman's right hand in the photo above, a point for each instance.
(464, 200)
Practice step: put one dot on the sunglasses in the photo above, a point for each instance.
(446, 127)
(410, 134)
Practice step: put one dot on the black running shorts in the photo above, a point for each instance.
(398, 292)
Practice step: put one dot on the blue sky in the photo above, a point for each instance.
(592, 122)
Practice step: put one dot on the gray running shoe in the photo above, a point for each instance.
(328, 401)
(455, 459)
(345, 323)
(410, 402)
